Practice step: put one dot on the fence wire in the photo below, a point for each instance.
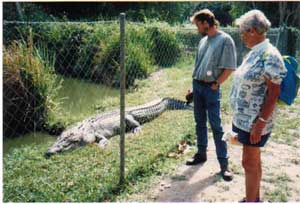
(38, 55)
(58, 73)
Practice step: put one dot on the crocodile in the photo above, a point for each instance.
(101, 127)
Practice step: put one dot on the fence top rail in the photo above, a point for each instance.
(59, 22)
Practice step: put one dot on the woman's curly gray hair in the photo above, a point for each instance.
(254, 19)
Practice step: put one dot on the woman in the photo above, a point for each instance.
(254, 94)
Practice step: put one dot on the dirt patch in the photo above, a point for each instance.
(281, 178)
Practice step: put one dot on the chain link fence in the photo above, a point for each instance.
(59, 73)
(89, 52)
(38, 56)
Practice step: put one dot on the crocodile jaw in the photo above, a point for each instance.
(66, 141)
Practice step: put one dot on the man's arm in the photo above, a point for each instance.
(224, 75)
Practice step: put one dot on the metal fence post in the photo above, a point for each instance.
(122, 98)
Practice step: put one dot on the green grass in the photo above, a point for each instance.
(281, 190)
(90, 174)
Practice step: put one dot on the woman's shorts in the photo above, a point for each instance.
(244, 137)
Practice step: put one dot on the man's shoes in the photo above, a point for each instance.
(197, 159)
(226, 175)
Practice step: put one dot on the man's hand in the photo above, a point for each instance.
(214, 86)
(189, 97)
(256, 131)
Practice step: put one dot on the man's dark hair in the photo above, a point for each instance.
(205, 15)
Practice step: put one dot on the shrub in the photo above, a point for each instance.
(66, 40)
(189, 38)
(72, 44)
(91, 51)
(164, 48)
(29, 87)
(107, 71)
(138, 64)
(105, 62)
(68, 47)
(137, 34)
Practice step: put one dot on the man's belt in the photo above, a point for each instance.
(202, 82)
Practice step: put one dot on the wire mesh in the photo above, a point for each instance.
(58, 73)
(40, 57)
(86, 51)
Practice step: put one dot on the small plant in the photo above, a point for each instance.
(279, 194)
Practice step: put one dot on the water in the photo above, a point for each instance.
(27, 139)
(80, 100)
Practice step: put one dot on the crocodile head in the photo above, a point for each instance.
(66, 141)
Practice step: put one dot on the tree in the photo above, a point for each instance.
(288, 11)
(220, 9)
(172, 12)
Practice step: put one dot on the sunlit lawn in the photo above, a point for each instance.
(90, 174)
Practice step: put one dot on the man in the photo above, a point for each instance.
(215, 61)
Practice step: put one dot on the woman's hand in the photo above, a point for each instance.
(273, 91)
(256, 131)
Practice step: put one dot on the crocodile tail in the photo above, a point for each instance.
(176, 104)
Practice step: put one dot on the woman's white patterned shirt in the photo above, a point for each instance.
(249, 86)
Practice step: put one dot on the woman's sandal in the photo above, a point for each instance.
(245, 201)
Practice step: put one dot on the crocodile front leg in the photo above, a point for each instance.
(101, 141)
(132, 124)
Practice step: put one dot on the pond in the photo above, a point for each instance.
(78, 100)
(27, 139)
